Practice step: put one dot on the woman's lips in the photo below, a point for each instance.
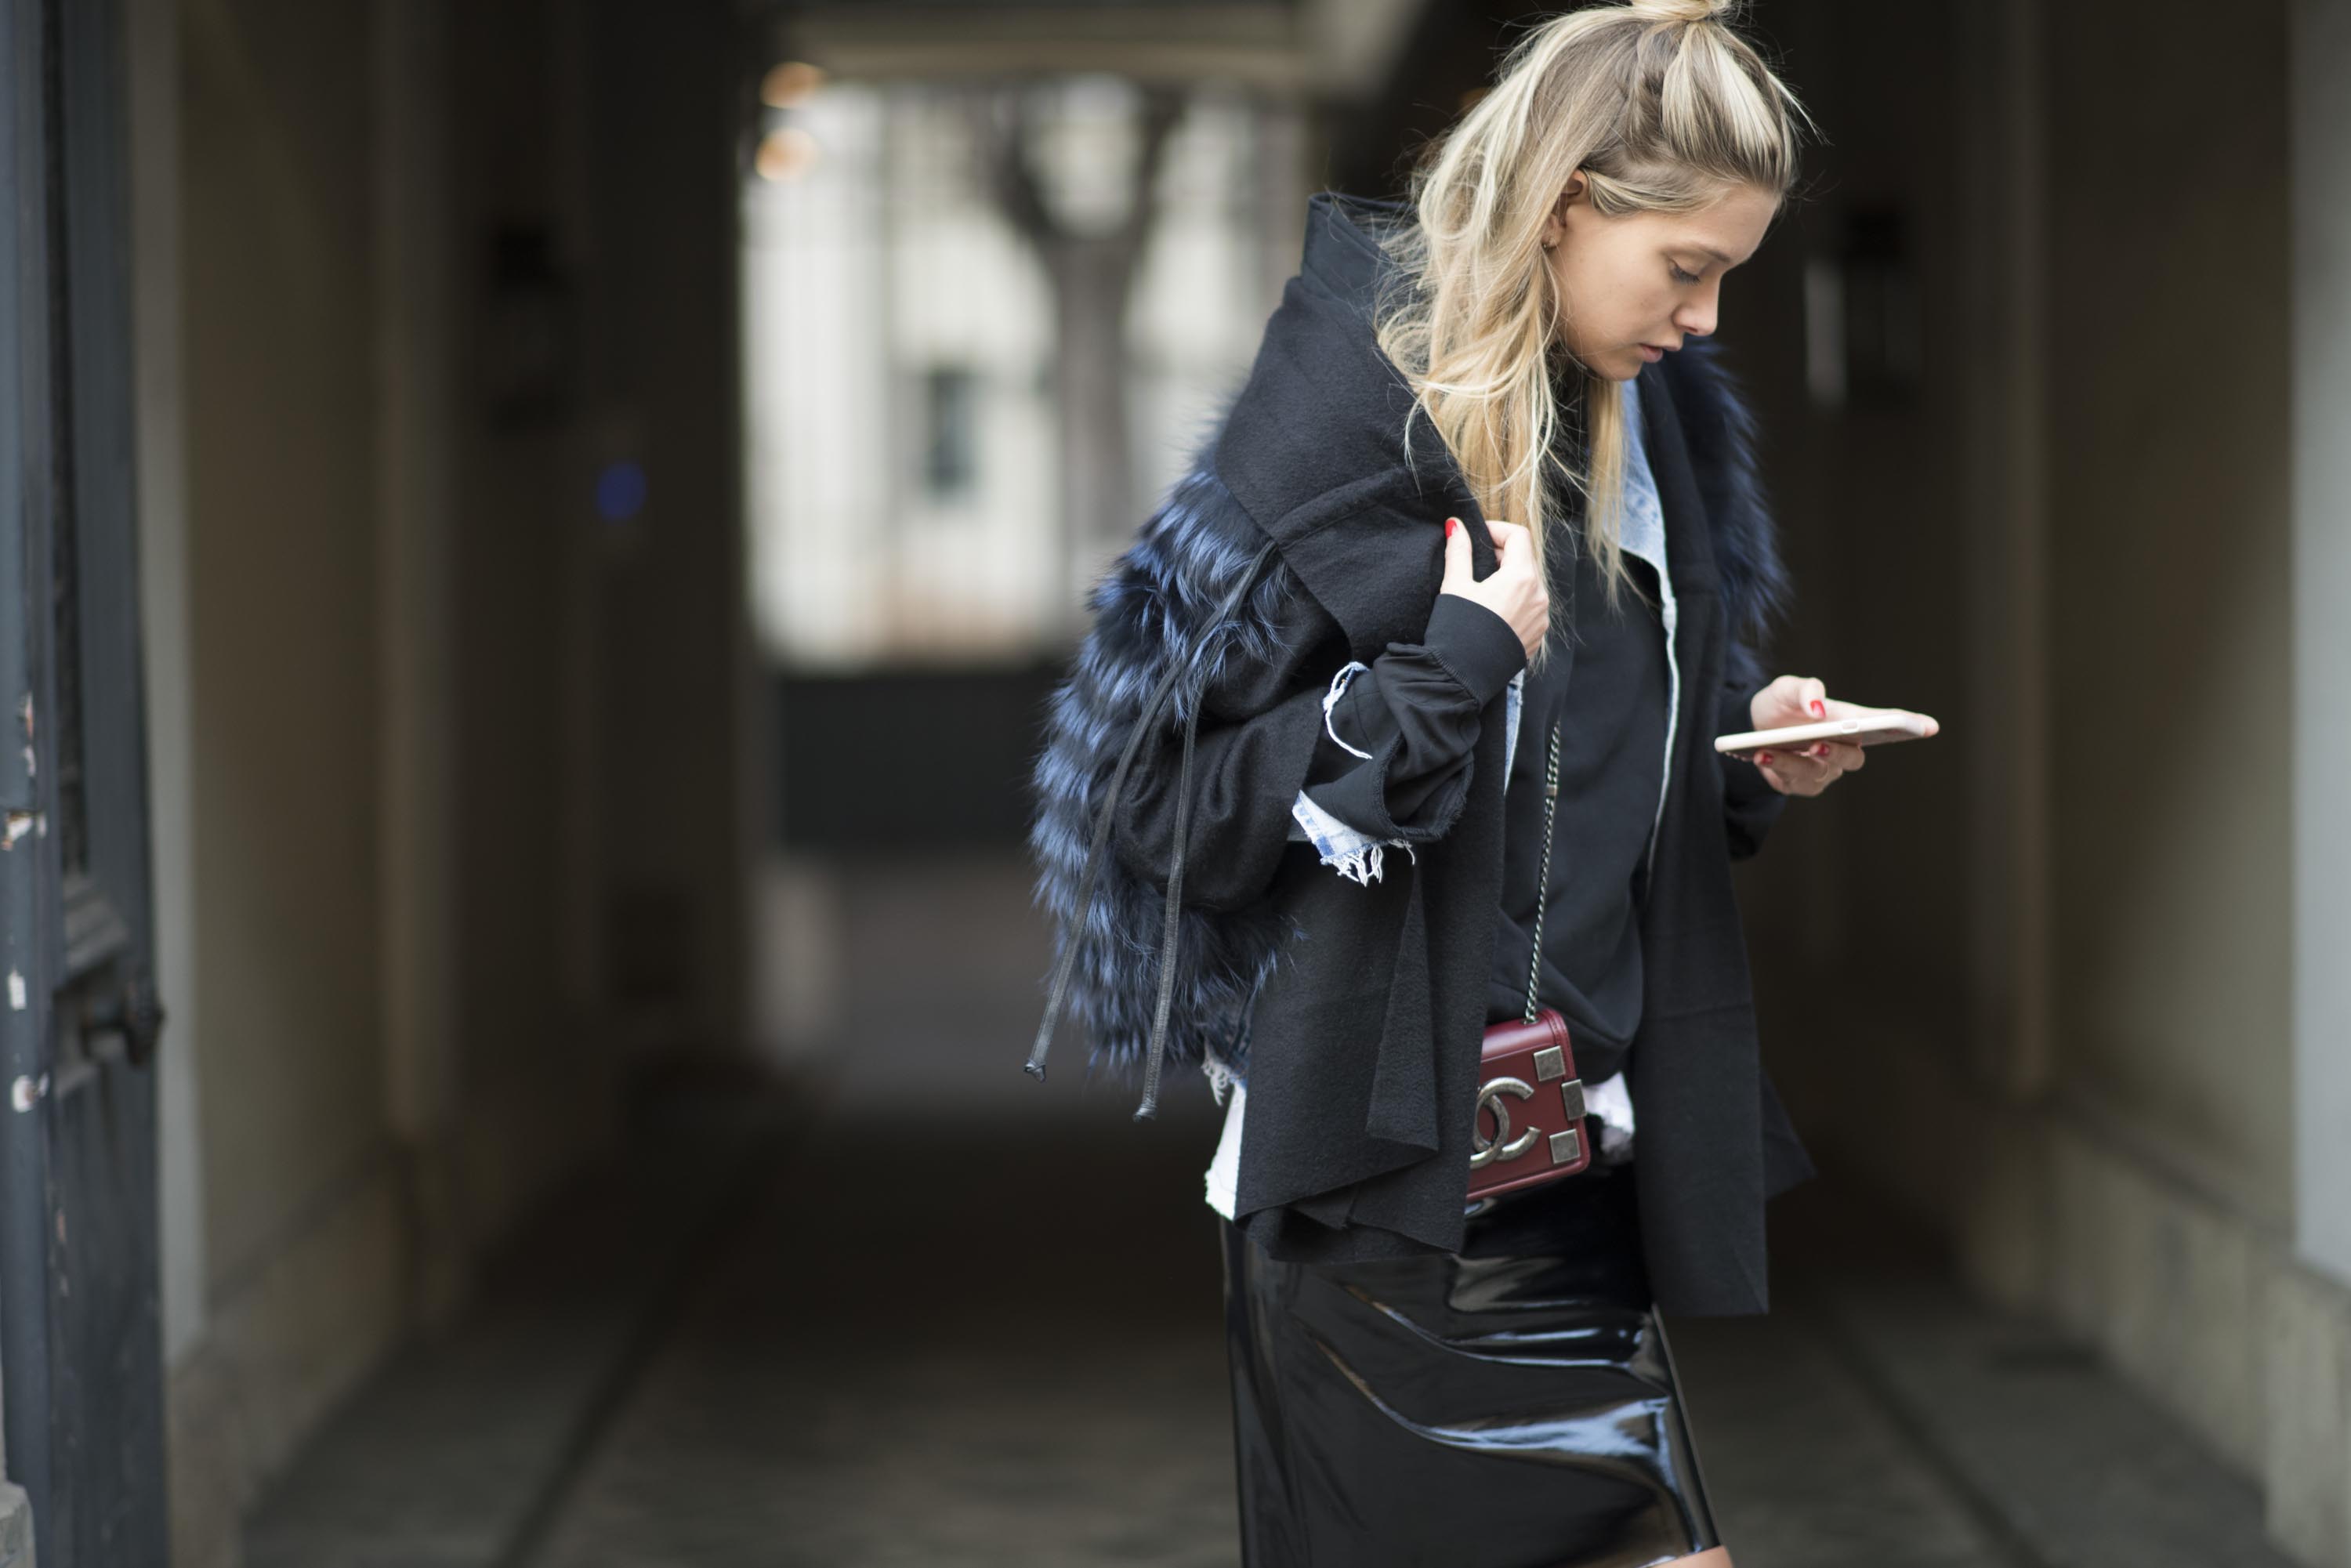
(1652, 354)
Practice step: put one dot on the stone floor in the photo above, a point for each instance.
(962, 1364)
(1001, 1346)
(968, 1366)
(954, 1320)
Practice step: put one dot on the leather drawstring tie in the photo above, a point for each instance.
(1178, 669)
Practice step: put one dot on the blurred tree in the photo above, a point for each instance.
(1091, 266)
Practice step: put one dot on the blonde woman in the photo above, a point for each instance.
(1293, 800)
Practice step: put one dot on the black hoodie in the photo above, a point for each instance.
(1607, 685)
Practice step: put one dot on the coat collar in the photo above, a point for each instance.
(1319, 429)
(1317, 436)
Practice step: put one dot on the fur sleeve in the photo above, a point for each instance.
(1719, 429)
(1260, 696)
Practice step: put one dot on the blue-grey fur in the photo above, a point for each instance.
(1148, 609)
(1718, 427)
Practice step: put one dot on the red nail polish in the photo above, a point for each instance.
(1762, 757)
(1819, 710)
(1451, 523)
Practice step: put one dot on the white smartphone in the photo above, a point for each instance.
(1872, 727)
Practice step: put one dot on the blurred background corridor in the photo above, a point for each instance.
(553, 523)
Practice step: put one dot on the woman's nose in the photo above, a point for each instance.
(1697, 319)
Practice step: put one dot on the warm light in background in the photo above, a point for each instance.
(785, 154)
(790, 83)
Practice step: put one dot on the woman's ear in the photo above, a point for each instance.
(1555, 221)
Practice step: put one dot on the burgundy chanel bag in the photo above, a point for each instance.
(1528, 1089)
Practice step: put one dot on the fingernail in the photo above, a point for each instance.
(1820, 710)
(1762, 757)
(1451, 523)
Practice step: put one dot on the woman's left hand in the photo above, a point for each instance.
(1806, 770)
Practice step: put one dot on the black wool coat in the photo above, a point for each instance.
(1357, 1010)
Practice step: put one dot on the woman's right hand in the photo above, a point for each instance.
(1515, 590)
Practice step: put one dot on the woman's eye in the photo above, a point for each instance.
(1674, 267)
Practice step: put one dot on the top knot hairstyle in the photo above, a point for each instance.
(1664, 106)
(1684, 10)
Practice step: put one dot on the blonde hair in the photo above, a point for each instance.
(1663, 108)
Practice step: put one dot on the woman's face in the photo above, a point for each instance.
(1632, 288)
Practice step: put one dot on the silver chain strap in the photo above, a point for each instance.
(1542, 886)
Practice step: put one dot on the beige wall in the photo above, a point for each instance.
(280, 433)
(674, 687)
(2321, 486)
(533, 1060)
(1868, 891)
(2163, 536)
(2073, 913)
(428, 726)
(303, 1249)
(155, 79)
(2309, 1319)
(2170, 371)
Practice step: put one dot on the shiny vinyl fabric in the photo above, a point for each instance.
(1511, 1406)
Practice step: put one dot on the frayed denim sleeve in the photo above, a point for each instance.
(1356, 855)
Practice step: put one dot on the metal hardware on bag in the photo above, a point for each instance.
(1551, 1063)
(1485, 1151)
(1565, 1147)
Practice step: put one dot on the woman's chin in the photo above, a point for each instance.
(1620, 365)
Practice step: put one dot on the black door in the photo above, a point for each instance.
(80, 1346)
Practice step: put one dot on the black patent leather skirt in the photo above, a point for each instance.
(1511, 1406)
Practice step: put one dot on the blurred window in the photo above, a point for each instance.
(950, 402)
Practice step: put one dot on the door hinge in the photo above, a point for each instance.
(133, 1011)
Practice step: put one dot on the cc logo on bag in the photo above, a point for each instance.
(1501, 1145)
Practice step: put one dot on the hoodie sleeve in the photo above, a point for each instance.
(1297, 740)
(1406, 724)
(1261, 722)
